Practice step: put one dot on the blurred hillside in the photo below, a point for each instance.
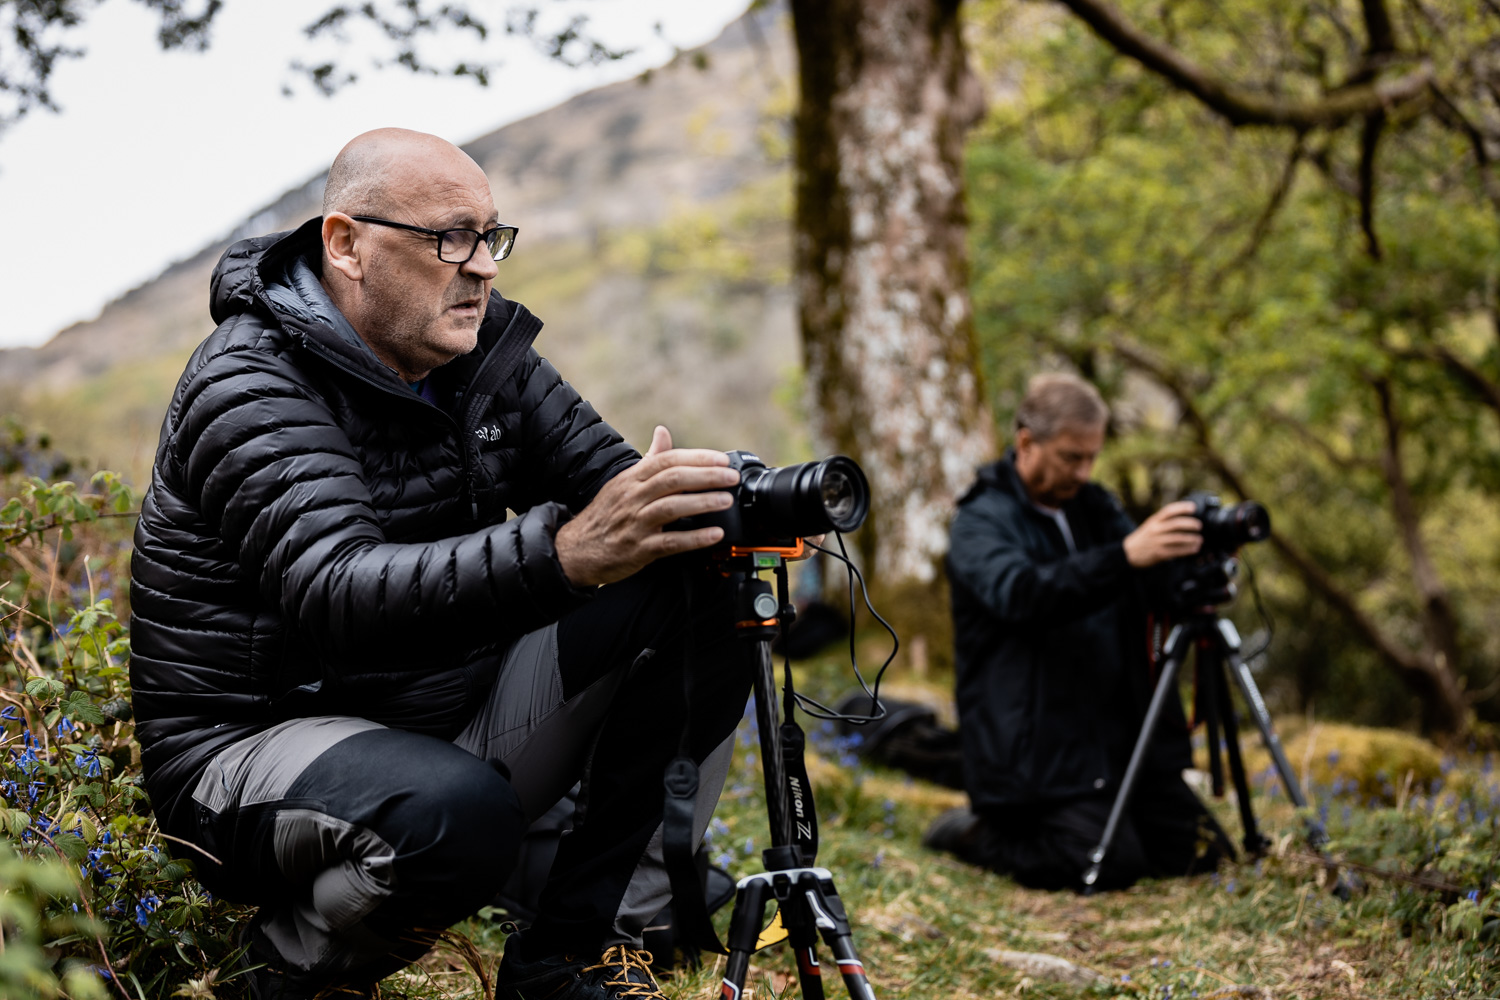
(654, 243)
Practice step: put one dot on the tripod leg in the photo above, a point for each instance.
(1176, 649)
(1210, 681)
(1317, 834)
(828, 915)
(1254, 843)
(802, 935)
(773, 767)
(1258, 714)
(744, 931)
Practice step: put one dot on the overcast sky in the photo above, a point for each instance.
(156, 154)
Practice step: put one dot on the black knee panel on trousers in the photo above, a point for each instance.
(452, 821)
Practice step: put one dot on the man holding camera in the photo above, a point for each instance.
(1051, 585)
(356, 680)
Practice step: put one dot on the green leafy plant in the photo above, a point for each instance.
(95, 897)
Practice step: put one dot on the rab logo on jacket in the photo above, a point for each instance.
(490, 434)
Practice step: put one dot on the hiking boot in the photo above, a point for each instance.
(621, 972)
(955, 831)
(265, 981)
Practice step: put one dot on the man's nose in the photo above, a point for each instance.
(481, 265)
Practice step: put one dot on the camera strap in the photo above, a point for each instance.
(689, 904)
(804, 814)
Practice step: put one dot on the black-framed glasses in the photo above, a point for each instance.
(456, 246)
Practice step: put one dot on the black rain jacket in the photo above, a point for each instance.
(1051, 647)
(319, 539)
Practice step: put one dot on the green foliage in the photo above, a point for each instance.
(93, 892)
(1219, 286)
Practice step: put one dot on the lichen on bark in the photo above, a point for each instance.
(882, 268)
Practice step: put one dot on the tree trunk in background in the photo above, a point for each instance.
(882, 268)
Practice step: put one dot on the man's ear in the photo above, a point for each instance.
(339, 246)
(1024, 440)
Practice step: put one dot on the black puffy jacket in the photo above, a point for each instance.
(319, 539)
(1051, 647)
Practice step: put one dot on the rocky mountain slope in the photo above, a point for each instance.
(654, 242)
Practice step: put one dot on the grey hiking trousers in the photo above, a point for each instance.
(361, 843)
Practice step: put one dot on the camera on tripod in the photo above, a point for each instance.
(1206, 579)
(773, 508)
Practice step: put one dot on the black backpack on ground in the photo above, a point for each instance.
(910, 738)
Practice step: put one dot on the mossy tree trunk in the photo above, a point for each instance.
(882, 266)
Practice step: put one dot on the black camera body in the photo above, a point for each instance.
(773, 507)
(1207, 578)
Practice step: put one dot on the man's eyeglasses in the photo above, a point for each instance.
(456, 246)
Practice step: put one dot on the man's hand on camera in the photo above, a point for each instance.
(620, 531)
(1171, 532)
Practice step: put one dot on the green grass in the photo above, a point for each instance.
(929, 926)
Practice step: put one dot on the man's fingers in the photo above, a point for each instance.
(667, 509)
(661, 440)
(656, 462)
(685, 479)
(670, 543)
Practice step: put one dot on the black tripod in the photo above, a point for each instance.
(808, 905)
(1218, 662)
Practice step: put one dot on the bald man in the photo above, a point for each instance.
(356, 681)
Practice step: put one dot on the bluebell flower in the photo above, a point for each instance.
(10, 712)
(879, 859)
(1333, 757)
(1473, 896)
(27, 761)
(64, 727)
(88, 763)
(144, 907)
(7, 788)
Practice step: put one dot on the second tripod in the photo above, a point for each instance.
(1219, 666)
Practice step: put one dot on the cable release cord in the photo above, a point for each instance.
(1260, 607)
(818, 710)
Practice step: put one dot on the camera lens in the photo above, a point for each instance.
(1227, 528)
(839, 497)
(808, 499)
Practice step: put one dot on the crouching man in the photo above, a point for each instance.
(1051, 585)
(356, 681)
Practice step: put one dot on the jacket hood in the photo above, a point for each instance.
(240, 274)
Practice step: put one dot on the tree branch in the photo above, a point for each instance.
(1464, 373)
(1448, 113)
(1268, 214)
(1369, 142)
(1235, 104)
(1437, 611)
